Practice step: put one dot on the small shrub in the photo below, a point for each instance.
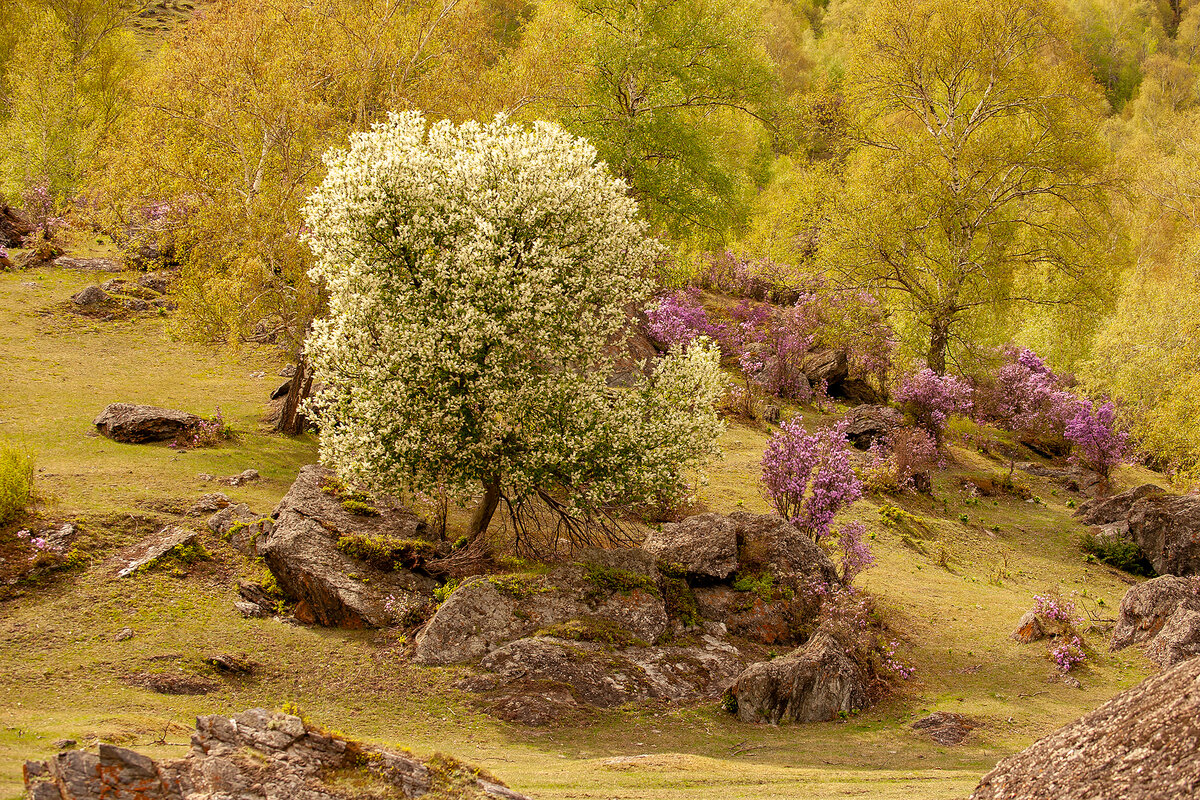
(16, 482)
(1067, 653)
(1117, 552)
(1054, 606)
(210, 433)
(443, 592)
(899, 458)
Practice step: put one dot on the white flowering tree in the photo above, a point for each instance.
(476, 275)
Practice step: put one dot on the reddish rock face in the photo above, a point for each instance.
(748, 615)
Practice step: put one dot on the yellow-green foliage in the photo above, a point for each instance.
(607, 579)
(386, 553)
(593, 629)
(16, 481)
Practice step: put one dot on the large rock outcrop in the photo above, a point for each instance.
(813, 683)
(331, 587)
(1165, 526)
(829, 367)
(1164, 614)
(704, 546)
(134, 424)
(486, 613)
(255, 755)
(868, 424)
(679, 619)
(1144, 744)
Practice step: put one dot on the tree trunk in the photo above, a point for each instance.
(291, 421)
(939, 338)
(481, 517)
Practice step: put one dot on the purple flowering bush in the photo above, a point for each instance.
(849, 615)
(1067, 653)
(38, 204)
(1025, 396)
(210, 432)
(1095, 441)
(808, 477)
(678, 318)
(855, 555)
(932, 399)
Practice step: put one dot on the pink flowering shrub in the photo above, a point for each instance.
(38, 204)
(856, 556)
(1025, 396)
(933, 398)
(678, 318)
(1028, 398)
(1095, 441)
(796, 313)
(808, 478)
(210, 432)
(850, 617)
(1067, 653)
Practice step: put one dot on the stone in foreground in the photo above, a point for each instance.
(134, 424)
(1144, 744)
(814, 683)
(256, 755)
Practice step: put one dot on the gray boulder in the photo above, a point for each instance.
(1165, 526)
(830, 366)
(329, 587)
(769, 543)
(813, 683)
(1145, 608)
(704, 545)
(603, 677)
(1144, 744)
(1178, 640)
(154, 548)
(241, 527)
(133, 424)
(485, 613)
(254, 755)
(87, 264)
(867, 424)
(90, 296)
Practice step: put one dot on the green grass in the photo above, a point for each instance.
(63, 674)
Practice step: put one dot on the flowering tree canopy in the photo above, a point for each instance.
(476, 276)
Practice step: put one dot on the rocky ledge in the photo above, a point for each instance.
(257, 755)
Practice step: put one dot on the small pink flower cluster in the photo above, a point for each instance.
(1054, 607)
(894, 665)
(209, 433)
(1067, 654)
(37, 542)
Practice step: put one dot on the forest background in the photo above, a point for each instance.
(994, 173)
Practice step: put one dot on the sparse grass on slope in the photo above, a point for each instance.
(64, 674)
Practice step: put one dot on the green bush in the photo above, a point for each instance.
(1117, 552)
(16, 481)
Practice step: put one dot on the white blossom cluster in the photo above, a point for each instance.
(475, 275)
